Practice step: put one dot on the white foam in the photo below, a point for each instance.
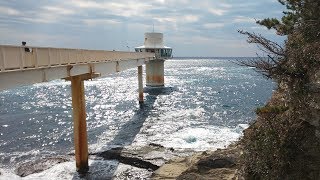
(183, 137)
(8, 174)
(128, 172)
(67, 170)
(99, 169)
(200, 139)
(243, 126)
(60, 171)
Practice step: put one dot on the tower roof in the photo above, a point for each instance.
(153, 47)
(153, 40)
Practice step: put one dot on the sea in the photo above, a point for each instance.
(206, 104)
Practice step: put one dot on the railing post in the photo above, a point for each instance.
(140, 82)
(2, 61)
(79, 124)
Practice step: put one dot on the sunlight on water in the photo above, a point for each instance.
(206, 104)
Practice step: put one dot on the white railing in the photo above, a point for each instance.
(15, 58)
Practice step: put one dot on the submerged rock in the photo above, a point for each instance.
(37, 166)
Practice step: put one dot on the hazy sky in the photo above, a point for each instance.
(190, 27)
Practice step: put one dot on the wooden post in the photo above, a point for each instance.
(140, 82)
(79, 124)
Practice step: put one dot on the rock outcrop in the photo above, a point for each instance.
(39, 165)
(208, 165)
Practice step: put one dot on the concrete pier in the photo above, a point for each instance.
(79, 124)
(140, 84)
(22, 65)
(155, 73)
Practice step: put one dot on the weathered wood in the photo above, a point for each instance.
(84, 77)
(79, 124)
(140, 82)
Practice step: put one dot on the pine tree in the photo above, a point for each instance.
(301, 24)
(284, 143)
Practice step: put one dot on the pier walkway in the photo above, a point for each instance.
(23, 65)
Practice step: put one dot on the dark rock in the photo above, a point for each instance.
(156, 145)
(37, 166)
(115, 154)
(213, 163)
(159, 146)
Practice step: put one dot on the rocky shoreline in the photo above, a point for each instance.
(218, 164)
(208, 165)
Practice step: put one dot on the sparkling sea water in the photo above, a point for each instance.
(206, 104)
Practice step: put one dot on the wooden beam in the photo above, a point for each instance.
(79, 123)
(140, 82)
(84, 77)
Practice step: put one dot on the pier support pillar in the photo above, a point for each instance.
(140, 83)
(155, 73)
(79, 124)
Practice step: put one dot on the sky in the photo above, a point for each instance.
(206, 28)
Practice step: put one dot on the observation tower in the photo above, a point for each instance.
(153, 42)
